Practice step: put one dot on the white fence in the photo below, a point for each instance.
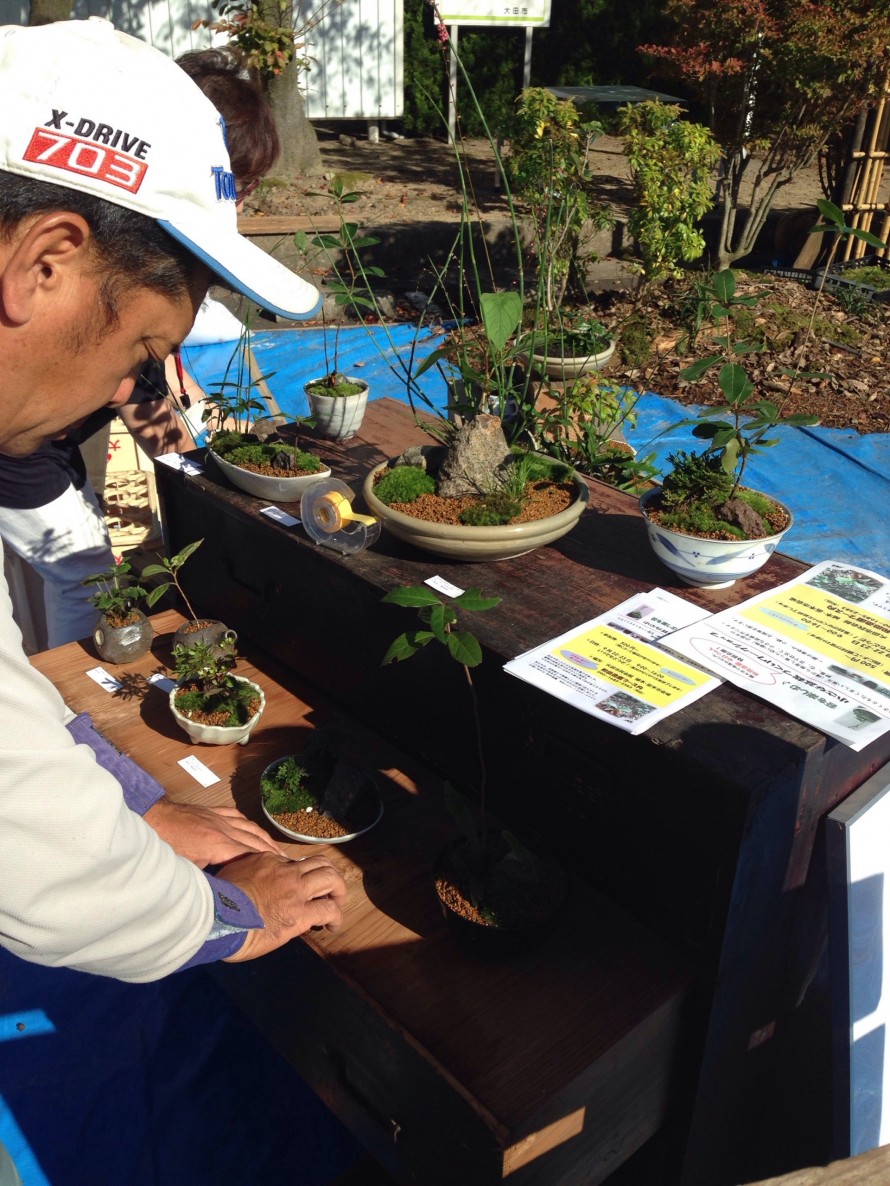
(356, 48)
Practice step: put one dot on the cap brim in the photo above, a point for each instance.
(251, 271)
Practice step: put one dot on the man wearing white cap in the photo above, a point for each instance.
(117, 208)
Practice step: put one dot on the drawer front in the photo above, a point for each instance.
(408, 1115)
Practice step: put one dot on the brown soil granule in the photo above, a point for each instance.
(544, 499)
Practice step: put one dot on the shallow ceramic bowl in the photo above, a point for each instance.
(475, 543)
(304, 839)
(202, 734)
(263, 485)
(708, 563)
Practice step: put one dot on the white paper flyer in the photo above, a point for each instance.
(817, 647)
(611, 668)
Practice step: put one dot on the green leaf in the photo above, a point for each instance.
(724, 285)
(437, 621)
(406, 645)
(831, 213)
(867, 237)
(696, 369)
(734, 383)
(155, 594)
(465, 648)
(411, 596)
(472, 599)
(501, 316)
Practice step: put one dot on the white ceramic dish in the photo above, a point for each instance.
(304, 839)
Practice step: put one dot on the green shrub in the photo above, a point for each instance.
(695, 478)
(405, 483)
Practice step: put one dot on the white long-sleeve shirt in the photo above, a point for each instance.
(84, 882)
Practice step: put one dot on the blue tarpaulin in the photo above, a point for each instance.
(835, 481)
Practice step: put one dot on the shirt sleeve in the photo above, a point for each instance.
(86, 883)
(234, 913)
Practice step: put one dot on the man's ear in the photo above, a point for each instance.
(39, 260)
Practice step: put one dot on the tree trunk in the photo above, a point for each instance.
(45, 12)
(300, 154)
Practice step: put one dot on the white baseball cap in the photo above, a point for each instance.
(87, 107)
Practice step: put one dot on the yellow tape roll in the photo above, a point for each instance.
(333, 512)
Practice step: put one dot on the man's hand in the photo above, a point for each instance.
(207, 835)
(291, 896)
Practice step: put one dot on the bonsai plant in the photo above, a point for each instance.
(317, 798)
(247, 445)
(210, 703)
(123, 632)
(337, 402)
(196, 629)
(702, 522)
(495, 892)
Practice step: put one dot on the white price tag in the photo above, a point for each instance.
(163, 682)
(442, 586)
(183, 464)
(104, 680)
(280, 516)
(199, 772)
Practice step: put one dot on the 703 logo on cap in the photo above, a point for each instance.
(85, 157)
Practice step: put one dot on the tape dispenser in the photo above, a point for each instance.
(327, 514)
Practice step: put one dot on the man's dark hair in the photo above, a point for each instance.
(251, 136)
(131, 249)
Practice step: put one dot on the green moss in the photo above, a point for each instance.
(286, 790)
(405, 483)
(493, 511)
(873, 276)
(235, 703)
(236, 450)
(635, 342)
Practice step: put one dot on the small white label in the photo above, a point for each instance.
(104, 680)
(199, 772)
(163, 682)
(280, 516)
(443, 586)
(183, 464)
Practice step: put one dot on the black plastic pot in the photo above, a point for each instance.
(519, 915)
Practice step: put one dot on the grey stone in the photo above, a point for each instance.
(737, 512)
(474, 458)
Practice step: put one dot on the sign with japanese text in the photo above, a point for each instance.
(490, 12)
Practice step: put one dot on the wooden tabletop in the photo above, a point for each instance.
(507, 1035)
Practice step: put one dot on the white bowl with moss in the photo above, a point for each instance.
(262, 457)
(315, 806)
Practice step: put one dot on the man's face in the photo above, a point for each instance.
(77, 364)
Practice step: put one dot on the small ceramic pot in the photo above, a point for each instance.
(337, 417)
(122, 644)
(202, 734)
(207, 630)
(708, 563)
